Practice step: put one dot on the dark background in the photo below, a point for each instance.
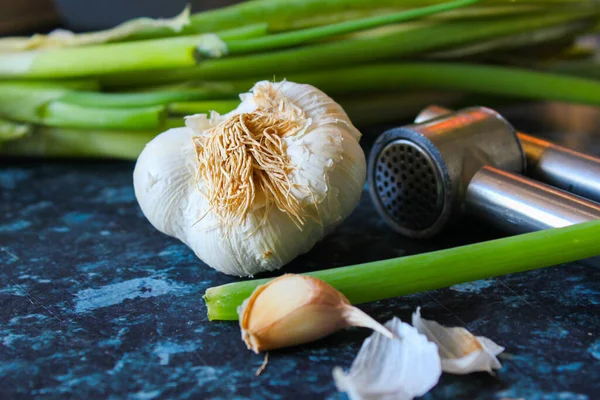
(25, 16)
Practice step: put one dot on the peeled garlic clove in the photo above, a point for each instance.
(401, 368)
(297, 309)
(461, 352)
(250, 190)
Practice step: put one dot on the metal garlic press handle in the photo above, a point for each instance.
(517, 204)
(558, 166)
(561, 167)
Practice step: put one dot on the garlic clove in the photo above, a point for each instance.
(461, 352)
(297, 309)
(401, 368)
(321, 110)
(287, 311)
(163, 180)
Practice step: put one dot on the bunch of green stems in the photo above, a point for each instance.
(382, 61)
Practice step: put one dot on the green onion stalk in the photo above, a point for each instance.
(588, 68)
(153, 98)
(384, 93)
(544, 39)
(395, 42)
(286, 15)
(115, 57)
(41, 141)
(470, 78)
(295, 38)
(11, 130)
(296, 14)
(405, 275)
(180, 51)
(282, 13)
(54, 106)
(289, 39)
(202, 107)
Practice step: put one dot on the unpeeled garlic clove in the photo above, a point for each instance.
(461, 352)
(297, 309)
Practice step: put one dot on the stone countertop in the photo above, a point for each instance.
(94, 303)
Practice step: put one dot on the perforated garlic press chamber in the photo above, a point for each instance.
(423, 177)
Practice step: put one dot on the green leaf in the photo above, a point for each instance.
(64, 38)
(11, 130)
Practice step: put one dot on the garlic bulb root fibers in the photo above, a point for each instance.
(250, 190)
(297, 309)
(245, 155)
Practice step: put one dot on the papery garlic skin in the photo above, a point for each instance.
(401, 368)
(461, 352)
(328, 170)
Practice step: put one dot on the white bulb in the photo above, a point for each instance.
(325, 173)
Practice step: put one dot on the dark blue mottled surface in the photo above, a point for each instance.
(95, 303)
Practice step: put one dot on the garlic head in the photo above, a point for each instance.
(250, 190)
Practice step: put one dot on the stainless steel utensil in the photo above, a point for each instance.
(424, 176)
(547, 162)
(518, 205)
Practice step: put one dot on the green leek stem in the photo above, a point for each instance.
(75, 143)
(11, 130)
(54, 105)
(485, 10)
(469, 78)
(294, 38)
(480, 79)
(405, 275)
(73, 84)
(559, 32)
(43, 104)
(281, 14)
(412, 39)
(113, 57)
(60, 114)
(144, 99)
(589, 68)
(201, 107)
(321, 19)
